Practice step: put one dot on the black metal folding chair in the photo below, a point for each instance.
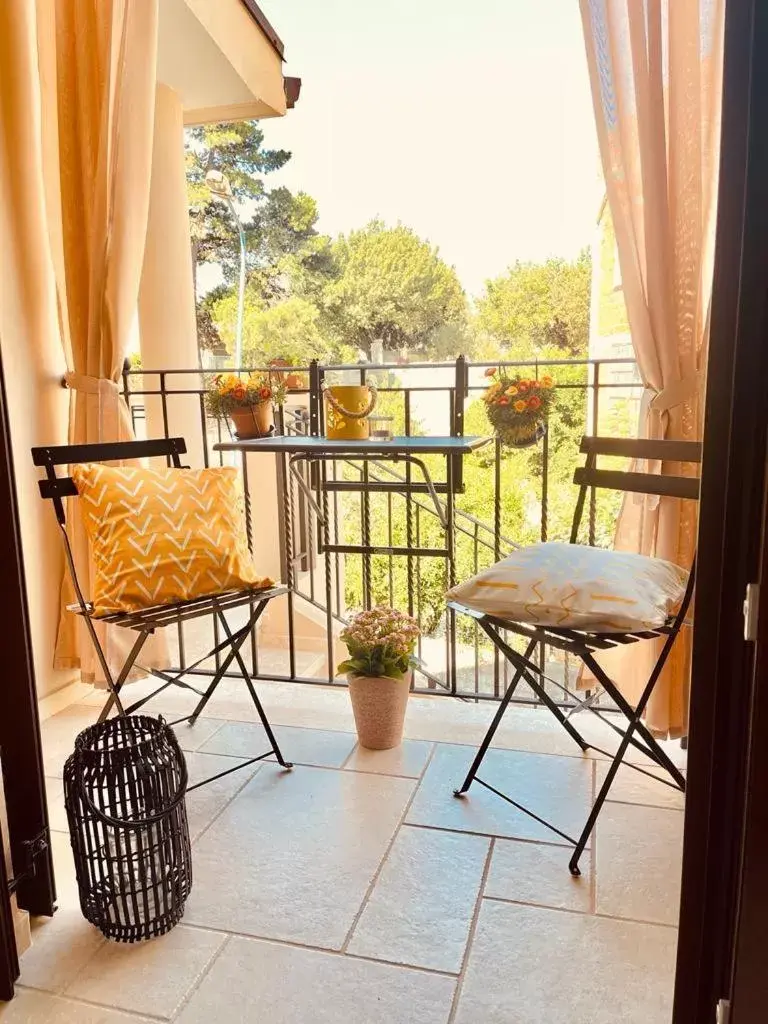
(585, 645)
(146, 621)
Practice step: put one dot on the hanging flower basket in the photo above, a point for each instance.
(518, 407)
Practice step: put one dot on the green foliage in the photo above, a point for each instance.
(290, 330)
(283, 247)
(235, 148)
(539, 305)
(393, 286)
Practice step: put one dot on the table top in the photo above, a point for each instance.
(299, 445)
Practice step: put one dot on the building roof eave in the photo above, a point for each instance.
(263, 22)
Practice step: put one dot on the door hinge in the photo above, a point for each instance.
(723, 1014)
(32, 848)
(751, 609)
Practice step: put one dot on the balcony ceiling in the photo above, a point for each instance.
(222, 58)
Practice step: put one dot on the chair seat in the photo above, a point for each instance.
(169, 614)
(565, 639)
(572, 587)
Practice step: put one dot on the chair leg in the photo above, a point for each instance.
(602, 796)
(234, 649)
(255, 698)
(483, 748)
(130, 661)
(635, 724)
(654, 751)
(530, 671)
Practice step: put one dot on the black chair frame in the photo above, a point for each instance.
(585, 646)
(146, 621)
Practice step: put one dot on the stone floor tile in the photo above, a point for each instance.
(531, 965)
(556, 788)
(58, 735)
(205, 803)
(294, 853)
(633, 787)
(300, 746)
(638, 862)
(30, 1007)
(421, 907)
(61, 946)
(261, 981)
(535, 873)
(151, 977)
(192, 737)
(409, 758)
(57, 815)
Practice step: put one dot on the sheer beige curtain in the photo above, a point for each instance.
(78, 114)
(656, 75)
(105, 76)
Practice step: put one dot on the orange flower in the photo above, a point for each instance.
(520, 406)
(265, 393)
(522, 385)
(503, 400)
(547, 382)
(491, 371)
(534, 402)
(239, 392)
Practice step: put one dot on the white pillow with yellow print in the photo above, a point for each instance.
(577, 587)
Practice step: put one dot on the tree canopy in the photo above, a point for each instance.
(394, 287)
(291, 329)
(280, 232)
(539, 306)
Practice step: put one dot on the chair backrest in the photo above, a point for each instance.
(57, 488)
(666, 485)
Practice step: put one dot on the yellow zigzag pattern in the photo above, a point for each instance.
(160, 536)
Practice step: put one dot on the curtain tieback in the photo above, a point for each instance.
(676, 392)
(111, 417)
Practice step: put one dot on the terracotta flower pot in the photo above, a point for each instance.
(379, 704)
(253, 421)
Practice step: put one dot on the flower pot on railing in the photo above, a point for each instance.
(247, 401)
(253, 421)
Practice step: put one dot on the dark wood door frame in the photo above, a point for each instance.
(20, 745)
(733, 480)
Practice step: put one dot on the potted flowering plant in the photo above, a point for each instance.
(518, 407)
(248, 401)
(381, 643)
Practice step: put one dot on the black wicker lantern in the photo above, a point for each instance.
(124, 789)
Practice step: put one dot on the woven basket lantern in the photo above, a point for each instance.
(124, 789)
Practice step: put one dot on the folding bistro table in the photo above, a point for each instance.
(297, 452)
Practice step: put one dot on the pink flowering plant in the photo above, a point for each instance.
(380, 642)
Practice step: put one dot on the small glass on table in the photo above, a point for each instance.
(380, 428)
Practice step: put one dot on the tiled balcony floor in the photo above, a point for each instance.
(357, 890)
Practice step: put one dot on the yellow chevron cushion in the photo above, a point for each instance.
(159, 536)
(577, 587)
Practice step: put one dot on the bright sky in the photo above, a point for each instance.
(468, 120)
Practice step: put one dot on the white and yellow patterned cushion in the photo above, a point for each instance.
(576, 587)
(161, 536)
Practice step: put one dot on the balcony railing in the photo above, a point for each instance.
(502, 498)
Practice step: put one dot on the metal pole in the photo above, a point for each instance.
(241, 293)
